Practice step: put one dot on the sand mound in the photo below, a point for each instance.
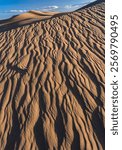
(52, 83)
(25, 19)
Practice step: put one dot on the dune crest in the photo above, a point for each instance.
(52, 83)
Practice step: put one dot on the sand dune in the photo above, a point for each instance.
(52, 81)
(25, 19)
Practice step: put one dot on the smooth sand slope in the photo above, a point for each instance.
(25, 19)
(52, 82)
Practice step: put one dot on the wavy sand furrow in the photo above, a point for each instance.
(52, 81)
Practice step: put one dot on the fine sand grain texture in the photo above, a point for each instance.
(52, 80)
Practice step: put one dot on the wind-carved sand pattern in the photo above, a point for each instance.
(52, 83)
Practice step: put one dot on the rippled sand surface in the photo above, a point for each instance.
(52, 79)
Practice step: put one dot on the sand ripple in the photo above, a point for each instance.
(52, 83)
